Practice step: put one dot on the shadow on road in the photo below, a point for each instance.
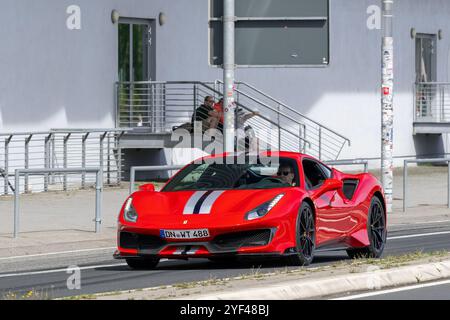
(248, 264)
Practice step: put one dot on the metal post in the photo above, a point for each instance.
(98, 200)
(405, 181)
(16, 202)
(83, 159)
(108, 164)
(164, 119)
(195, 102)
(320, 143)
(6, 167)
(387, 115)
(442, 114)
(27, 161)
(132, 179)
(279, 127)
(47, 160)
(448, 184)
(65, 142)
(102, 149)
(119, 159)
(52, 158)
(228, 74)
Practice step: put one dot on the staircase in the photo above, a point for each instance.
(152, 109)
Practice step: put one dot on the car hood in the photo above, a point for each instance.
(173, 207)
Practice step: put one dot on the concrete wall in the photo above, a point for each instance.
(55, 77)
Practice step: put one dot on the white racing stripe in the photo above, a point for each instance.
(209, 202)
(383, 292)
(419, 235)
(190, 205)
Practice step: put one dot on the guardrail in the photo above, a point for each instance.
(405, 177)
(60, 149)
(350, 163)
(98, 191)
(133, 171)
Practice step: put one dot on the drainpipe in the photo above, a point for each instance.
(228, 74)
(387, 115)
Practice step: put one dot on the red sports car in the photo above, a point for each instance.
(279, 204)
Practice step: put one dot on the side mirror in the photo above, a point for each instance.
(147, 187)
(332, 185)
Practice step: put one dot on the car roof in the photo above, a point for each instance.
(284, 154)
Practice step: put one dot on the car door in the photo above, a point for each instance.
(331, 214)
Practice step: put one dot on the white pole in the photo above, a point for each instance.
(387, 116)
(228, 74)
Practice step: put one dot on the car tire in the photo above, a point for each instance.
(305, 234)
(376, 229)
(142, 263)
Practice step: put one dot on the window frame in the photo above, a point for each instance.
(319, 166)
(212, 19)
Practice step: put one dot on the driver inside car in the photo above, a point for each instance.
(286, 174)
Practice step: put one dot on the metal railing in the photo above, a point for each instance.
(356, 162)
(325, 143)
(432, 102)
(157, 107)
(27, 172)
(417, 161)
(133, 171)
(60, 149)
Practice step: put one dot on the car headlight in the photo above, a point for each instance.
(263, 209)
(129, 213)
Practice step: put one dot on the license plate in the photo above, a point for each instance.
(185, 234)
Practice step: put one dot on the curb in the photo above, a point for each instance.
(375, 279)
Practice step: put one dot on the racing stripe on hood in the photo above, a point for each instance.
(190, 205)
(209, 202)
(201, 202)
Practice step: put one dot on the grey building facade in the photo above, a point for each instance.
(61, 61)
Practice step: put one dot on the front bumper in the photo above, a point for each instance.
(254, 242)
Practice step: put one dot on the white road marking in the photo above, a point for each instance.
(378, 293)
(419, 235)
(59, 270)
(32, 273)
(418, 223)
(57, 253)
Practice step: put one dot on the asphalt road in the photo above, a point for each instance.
(47, 275)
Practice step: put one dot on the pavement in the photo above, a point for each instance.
(57, 232)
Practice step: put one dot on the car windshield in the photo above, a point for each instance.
(224, 176)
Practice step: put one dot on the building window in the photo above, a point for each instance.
(274, 32)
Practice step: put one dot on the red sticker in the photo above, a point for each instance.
(386, 91)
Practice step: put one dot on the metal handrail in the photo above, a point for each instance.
(159, 106)
(98, 191)
(133, 171)
(355, 162)
(284, 105)
(417, 161)
(263, 117)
